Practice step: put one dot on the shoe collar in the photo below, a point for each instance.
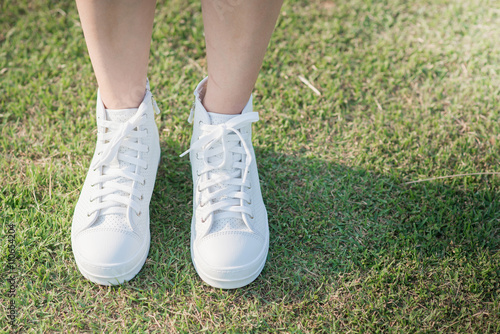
(199, 109)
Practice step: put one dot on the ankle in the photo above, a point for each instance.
(230, 104)
(123, 99)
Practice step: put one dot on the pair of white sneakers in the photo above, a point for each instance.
(229, 229)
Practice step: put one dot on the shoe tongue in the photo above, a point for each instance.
(217, 119)
(224, 224)
(120, 115)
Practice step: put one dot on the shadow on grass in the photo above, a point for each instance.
(328, 220)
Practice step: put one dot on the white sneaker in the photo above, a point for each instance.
(229, 229)
(110, 232)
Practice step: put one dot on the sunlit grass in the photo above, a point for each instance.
(409, 90)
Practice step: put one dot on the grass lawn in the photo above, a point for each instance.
(409, 90)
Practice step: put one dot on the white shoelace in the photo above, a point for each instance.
(117, 191)
(224, 175)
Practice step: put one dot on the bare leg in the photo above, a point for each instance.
(118, 36)
(237, 34)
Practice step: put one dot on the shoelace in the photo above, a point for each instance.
(117, 191)
(229, 175)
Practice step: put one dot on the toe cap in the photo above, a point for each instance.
(107, 252)
(230, 249)
(230, 256)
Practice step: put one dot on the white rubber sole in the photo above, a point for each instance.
(114, 280)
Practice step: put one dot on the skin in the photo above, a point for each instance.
(237, 33)
(118, 36)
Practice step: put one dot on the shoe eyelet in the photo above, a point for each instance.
(143, 183)
(139, 214)
(88, 214)
(249, 202)
(201, 205)
(147, 150)
(142, 197)
(200, 123)
(198, 157)
(92, 199)
(147, 166)
(99, 153)
(252, 217)
(203, 220)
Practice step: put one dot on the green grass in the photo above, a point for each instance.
(409, 90)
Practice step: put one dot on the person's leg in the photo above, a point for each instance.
(110, 231)
(230, 233)
(237, 34)
(118, 36)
